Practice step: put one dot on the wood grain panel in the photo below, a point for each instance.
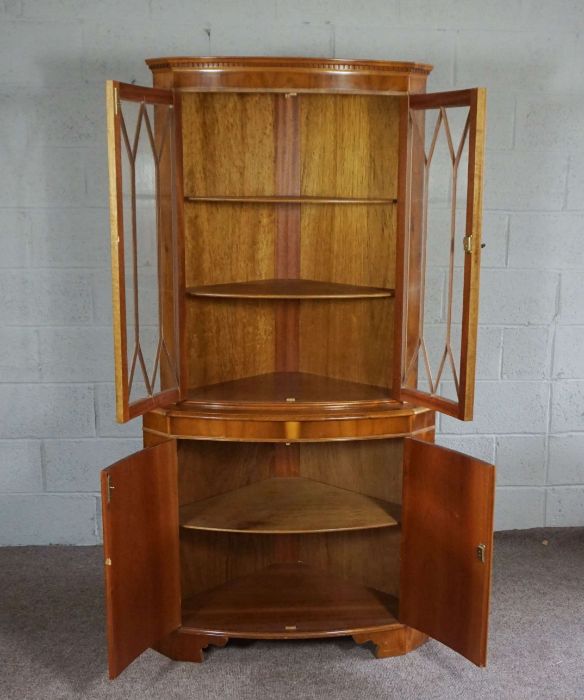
(350, 340)
(229, 243)
(447, 514)
(369, 557)
(229, 143)
(228, 341)
(349, 244)
(349, 145)
(208, 468)
(140, 528)
(210, 559)
(370, 467)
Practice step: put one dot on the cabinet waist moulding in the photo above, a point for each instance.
(296, 249)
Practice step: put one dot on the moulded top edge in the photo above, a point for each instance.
(287, 62)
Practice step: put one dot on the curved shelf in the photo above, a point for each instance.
(289, 407)
(288, 199)
(288, 505)
(288, 289)
(293, 390)
(288, 601)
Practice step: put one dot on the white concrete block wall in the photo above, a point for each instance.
(57, 424)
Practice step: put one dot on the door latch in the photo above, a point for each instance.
(481, 550)
(109, 487)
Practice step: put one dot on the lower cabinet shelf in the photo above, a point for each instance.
(287, 601)
(288, 505)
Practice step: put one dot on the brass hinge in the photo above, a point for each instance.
(481, 550)
(467, 244)
(109, 487)
(116, 100)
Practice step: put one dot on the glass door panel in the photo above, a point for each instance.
(144, 212)
(440, 249)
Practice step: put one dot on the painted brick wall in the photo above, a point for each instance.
(56, 393)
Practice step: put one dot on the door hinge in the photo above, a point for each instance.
(467, 244)
(481, 550)
(109, 487)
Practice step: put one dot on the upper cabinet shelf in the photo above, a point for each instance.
(289, 289)
(291, 199)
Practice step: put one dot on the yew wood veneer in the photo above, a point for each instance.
(295, 253)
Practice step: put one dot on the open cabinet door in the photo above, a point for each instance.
(447, 533)
(439, 248)
(146, 246)
(140, 532)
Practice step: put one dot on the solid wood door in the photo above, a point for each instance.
(447, 535)
(144, 149)
(439, 249)
(140, 532)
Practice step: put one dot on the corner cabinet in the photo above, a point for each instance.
(296, 249)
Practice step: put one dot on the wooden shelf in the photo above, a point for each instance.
(288, 289)
(291, 199)
(293, 390)
(289, 601)
(288, 505)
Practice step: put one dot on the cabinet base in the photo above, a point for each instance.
(395, 642)
(185, 646)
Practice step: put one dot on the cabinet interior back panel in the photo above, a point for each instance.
(349, 145)
(229, 143)
(207, 468)
(349, 243)
(227, 340)
(229, 242)
(349, 340)
(371, 467)
(369, 557)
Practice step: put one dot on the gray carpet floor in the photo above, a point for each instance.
(52, 642)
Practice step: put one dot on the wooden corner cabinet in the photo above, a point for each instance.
(296, 246)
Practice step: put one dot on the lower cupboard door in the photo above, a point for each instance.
(447, 544)
(140, 529)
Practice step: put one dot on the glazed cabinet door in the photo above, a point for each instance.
(439, 249)
(447, 533)
(146, 245)
(140, 532)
